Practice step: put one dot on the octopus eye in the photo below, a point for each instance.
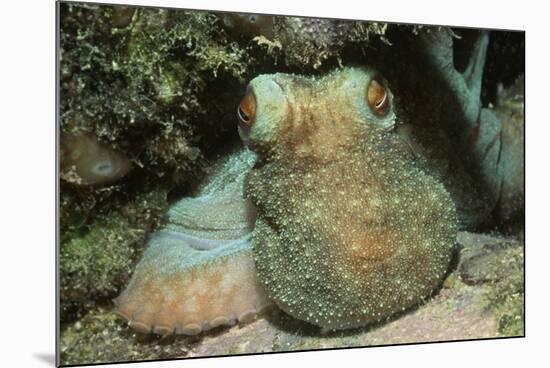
(377, 97)
(246, 112)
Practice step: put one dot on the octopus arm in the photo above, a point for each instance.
(179, 289)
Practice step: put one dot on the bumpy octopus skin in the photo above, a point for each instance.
(349, 230)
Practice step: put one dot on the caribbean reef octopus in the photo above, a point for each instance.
(326, 214)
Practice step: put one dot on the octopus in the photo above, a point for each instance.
(85, 161)
(198, 272)
(325, 214)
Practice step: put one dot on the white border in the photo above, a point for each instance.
(27, 195)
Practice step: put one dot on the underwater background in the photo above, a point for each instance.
(148, 104)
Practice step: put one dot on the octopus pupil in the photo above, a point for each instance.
(103, 168)
(377, 97)
(380, 103)
(242, 115)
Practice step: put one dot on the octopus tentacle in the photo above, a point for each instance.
(198, 273)
(177, 288)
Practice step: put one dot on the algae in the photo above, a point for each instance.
(100, 337)
(96, 260)
(505, 298)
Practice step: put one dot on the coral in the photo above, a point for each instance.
(136, 85)
(505, 299)
(249, 25)
(496, 265)
(345, 217)
(310, 41)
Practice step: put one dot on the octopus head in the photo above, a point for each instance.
(349, 229)
(313, 117)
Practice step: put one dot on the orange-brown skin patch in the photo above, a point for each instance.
(194, 298)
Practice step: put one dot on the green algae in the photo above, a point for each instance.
(101, 337)
(495, 266)
(135, 85)
(317, 44)
(505, 298)
(97, 260)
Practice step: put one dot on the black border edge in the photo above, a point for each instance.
(57, 342)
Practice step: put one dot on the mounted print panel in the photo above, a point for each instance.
(251, 183)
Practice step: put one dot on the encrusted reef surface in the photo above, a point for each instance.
(148, 102)
(482, 297)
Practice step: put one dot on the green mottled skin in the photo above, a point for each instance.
(349, 230)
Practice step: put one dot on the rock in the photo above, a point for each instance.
(485, 258)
